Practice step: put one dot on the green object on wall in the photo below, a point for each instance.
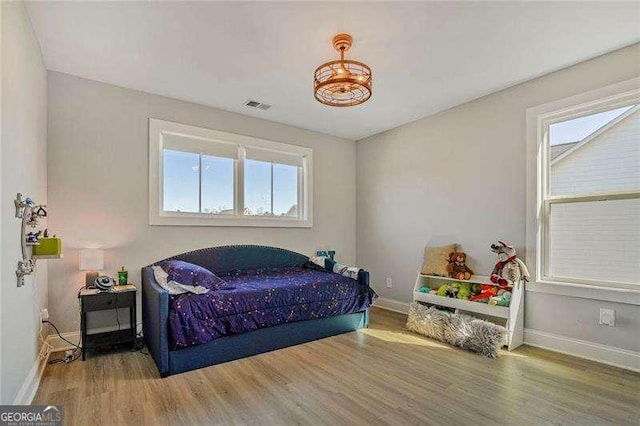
(48, 247)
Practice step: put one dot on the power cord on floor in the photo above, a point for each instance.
(67, 358)
(38, 314)
(75, 353)
(138, 346)
(117, 316)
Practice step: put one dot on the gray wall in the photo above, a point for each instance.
(24, 169)
(460, 176)
(98, 185)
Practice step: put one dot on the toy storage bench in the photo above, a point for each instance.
(513, 314)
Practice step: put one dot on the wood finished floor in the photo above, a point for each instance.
(381, 375)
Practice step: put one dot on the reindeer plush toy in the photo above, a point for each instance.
(509, 270)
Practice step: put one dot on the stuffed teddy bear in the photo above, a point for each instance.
(457, 268)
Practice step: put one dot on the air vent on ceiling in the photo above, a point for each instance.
(256, 104)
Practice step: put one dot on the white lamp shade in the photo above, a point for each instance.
(91, 260)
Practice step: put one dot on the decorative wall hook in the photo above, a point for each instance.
(20, 205)
(29, 212)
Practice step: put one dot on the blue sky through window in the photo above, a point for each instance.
(217, 185)
(257, 188)
(181, 185)
(285, 189)
(181, 175)
(579, 128)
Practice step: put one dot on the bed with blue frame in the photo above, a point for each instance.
(222, 260)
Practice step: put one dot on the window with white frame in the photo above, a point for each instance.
(205, 177)
(587, 218)
(272, 183)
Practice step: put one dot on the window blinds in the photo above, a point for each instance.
(269, 156)
(596, 240)
(210, 147)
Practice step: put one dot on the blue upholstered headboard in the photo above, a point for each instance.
(233, 258)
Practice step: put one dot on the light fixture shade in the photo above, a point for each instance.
(344, 82)
(91, 260)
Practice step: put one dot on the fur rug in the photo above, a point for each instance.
(460, 330)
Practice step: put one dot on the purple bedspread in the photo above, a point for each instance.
(263, 298)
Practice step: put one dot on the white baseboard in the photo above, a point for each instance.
(391, 305)
(604, 354)
(30, 386)
(57, 344)
(579, 348)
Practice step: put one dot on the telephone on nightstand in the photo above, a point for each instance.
(104, 283)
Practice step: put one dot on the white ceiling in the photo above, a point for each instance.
(425, 56)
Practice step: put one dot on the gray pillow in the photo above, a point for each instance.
(429, 322)
(484, 338)
(460, 330)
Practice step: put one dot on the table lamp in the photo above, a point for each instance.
(92, 261)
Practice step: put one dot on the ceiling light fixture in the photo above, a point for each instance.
(344, 82)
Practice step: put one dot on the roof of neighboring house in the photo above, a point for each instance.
(293, 211)
(557, 150)
(564, 150)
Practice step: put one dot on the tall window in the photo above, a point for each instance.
(204, 177)
(588, 192)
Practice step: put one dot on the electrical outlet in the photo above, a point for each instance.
(608, 317)
(44, 314)
(389, 283)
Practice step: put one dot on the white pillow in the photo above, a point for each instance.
(347, 271)
(173, 287)
(160, 275)
(319, 260)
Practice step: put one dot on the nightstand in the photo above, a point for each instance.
(92, 300)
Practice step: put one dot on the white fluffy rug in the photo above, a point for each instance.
(460, 330)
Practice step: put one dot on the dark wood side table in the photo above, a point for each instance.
(92, 300)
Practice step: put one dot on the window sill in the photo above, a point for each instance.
(230, 221)
(585, 291)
